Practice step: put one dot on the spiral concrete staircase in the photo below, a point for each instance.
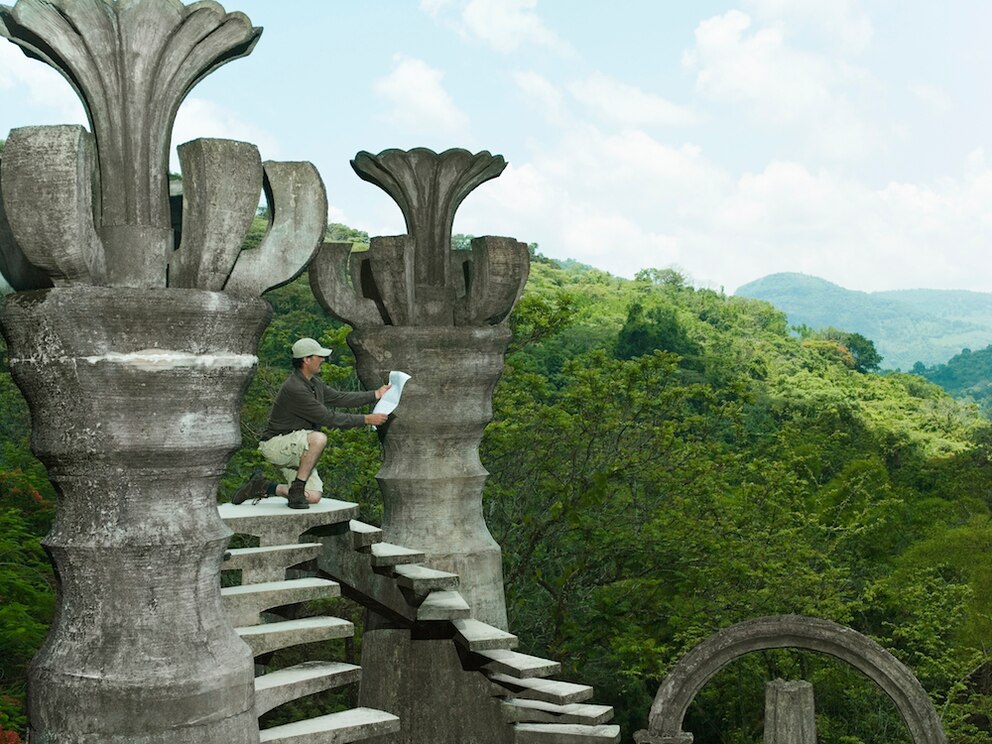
(324, 551)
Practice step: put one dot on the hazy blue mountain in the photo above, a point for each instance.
(907, 326)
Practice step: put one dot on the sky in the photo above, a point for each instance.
(729, 140)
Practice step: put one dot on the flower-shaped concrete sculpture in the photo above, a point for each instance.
(132, 64)
(416, 279)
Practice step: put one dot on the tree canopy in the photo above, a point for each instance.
(665, 461)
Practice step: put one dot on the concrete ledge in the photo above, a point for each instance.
(272, 636)
(336, 728)
(275, 688)
(364, 535)
(518, 665)
(387, 555)
(550, 690)
(269, 563)
(478, 636)
(244, 603)
(517, 710)
(564, 733)
(274, 523)
(422, 580)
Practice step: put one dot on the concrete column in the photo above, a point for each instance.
(134, 398)
(431, 477)
(438, 315)
(789, 714)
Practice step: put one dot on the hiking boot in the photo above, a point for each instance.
(298, 496)
(254, 489)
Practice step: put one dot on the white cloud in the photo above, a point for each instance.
(624, 201)
(504, 25)
(782, 86)
(840, 21)
(542, 94)
(50, 97)
(433, 7)
(417, 99)
(628, 105)
(932, 96)
(612, 199)
(200, 118)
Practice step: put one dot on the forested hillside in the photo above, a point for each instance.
(665, 461)
(966, 375)
(908, 326)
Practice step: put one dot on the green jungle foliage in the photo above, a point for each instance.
(966, 375)
(665, 462)
(907, 325)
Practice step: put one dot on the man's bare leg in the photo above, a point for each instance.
(316, 441)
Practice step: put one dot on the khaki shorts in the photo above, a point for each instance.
(285, 451)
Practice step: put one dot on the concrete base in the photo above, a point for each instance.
(422, 682)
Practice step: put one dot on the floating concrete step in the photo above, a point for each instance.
(387, 555)
(269, 563)
(518, 665)
(243, 603)
(422, 580)
(564, 733)
(272, 636)
(477, 636)
(275, 688)
(336, 728)
(550, 690)
(276, 524)
(364, 535)
(520, 710)
(443, 606)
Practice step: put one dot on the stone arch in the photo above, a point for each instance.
(698, 666)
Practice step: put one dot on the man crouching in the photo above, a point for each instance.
(293, 439)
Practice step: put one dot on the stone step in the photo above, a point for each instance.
(364, 535)
(272, 636)
(443, 606)
(387, 555)
(478, 636)
(335, 728)
(275, 688)
(520, 710)
(422, 580)
(244, 603)
(517, 665)
(550, 690)
(564, 733)
(269, 563)
(274, 523)
(373, 587)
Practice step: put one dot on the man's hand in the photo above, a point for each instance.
(381, 391)
(375, 419)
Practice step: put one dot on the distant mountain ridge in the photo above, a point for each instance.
(907, 325)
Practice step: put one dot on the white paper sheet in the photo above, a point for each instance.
(388, 402)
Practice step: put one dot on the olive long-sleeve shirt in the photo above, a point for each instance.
(303, 404)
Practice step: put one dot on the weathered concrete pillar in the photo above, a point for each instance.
(438, 315)
(789, 714)
(134, 401)
(431, 476)
(134, 357)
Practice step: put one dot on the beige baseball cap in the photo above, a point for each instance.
(308, 347)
